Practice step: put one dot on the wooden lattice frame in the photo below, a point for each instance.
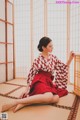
(77, 75)
(6, 43)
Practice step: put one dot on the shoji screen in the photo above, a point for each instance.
(74, 34)
(6, 40)
(22, 37)
(10, 40)
(29, 28)
(77, 75)
(2, 42)
(38, 24)
(57, 28)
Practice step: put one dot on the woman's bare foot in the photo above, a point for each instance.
(18, 107)
(13, 108)
(7, 106)
(0, 108)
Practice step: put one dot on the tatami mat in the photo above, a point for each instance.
(17, 93)
(70, 88)
(36, 112)
(18, 82)
(4, 99)
(67, 100)
(42, 112)
(5, 88)
(78, 112)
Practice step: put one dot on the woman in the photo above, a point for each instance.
(41, 88)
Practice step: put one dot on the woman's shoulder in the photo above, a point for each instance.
(39, 57)
(36, 59)
(52, 55)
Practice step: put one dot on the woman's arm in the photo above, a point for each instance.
(72, 55)
(61, 76)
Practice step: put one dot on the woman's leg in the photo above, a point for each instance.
(40, 98)
(55, 99)
(18, 107)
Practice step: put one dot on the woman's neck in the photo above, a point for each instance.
(45, 54)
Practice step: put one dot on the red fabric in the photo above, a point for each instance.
(42, 83)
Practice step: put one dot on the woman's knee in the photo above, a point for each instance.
(48, 97)
(55, 98)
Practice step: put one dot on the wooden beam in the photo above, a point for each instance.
(31, 29)
(6, 52)
(45, 18)
(14, 68)
(68, 36)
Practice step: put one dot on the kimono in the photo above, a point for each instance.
(42, 74)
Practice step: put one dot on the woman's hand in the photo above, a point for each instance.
(22, 94)
(72, 55)
(25, 93)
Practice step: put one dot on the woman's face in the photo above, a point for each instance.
(48, 48)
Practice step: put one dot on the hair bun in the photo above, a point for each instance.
(39, 48)
(44, 41)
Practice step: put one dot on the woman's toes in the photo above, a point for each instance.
(18, 107)
(14, 110)
(0, 109)
(4, 108)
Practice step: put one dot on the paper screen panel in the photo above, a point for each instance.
(9, 33)
(57, 28)
(74, 33)
(11, 1)
(2, 31)
(74, 28)
(9, 13)
(38, 25)
(2, 53)
(22, 37)
(77, 75)
(72, 72)
(10, 71)
(2, 8)
(2, 73)
(10, 53)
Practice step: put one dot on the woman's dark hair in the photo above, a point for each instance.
(44, 41)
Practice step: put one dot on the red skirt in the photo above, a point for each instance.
(42, 83)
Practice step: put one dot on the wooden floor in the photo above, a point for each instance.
(68, 107)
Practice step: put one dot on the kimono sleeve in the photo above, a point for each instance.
(61, 77)
(32, 72)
